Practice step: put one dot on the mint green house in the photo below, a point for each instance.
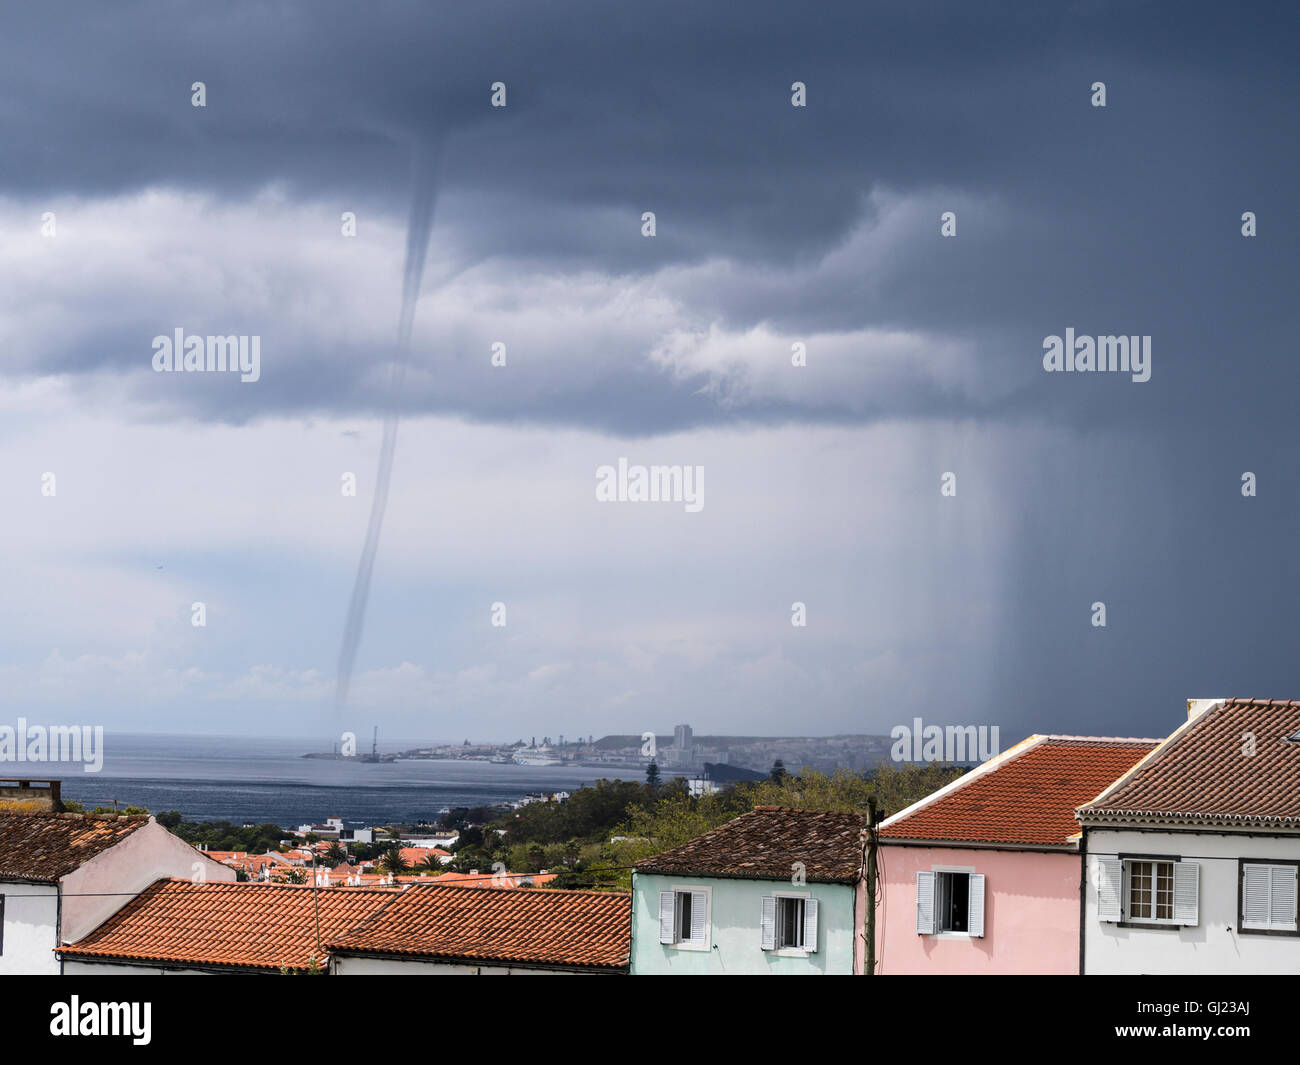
(773, 891)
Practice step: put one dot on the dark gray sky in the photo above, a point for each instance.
(775, 225)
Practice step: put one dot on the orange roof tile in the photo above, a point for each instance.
(44, 847)
(1026, 796)
(573, 929)
(1235, 763)
(250, 926)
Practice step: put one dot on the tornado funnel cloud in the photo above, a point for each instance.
(425, 166)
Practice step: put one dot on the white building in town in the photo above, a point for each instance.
(1193, 856)
(64, 874)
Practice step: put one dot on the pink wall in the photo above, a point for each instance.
(1031, 913)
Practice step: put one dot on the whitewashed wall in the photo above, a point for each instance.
(31, 915)
(1214, 945)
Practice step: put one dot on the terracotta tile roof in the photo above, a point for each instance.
(1026, 796)
(42, 848)
(765, 843)
(257, 926)
(578, 929)
(1203, 772)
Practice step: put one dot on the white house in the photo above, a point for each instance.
(63, 874)
(1193, 856)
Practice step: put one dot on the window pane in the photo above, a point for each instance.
(683, 915)
(954, 901)
(1165, 890)
(789, 922)
(1140, 890)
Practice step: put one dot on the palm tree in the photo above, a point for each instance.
(393, 862)
(432, 862)
(336, 855)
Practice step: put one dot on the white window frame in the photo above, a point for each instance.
(690, 944)
(793, 952)
(1126, 916)
(969, 870)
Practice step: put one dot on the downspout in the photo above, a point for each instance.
(1083, 893)
(58, 921)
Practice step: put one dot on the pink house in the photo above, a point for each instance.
(983, 876)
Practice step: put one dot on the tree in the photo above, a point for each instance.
(778, 773)
(335, 855)
(169, 819)
(652, 776)
(393, 862)
(432, 862)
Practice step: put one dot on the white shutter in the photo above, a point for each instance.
(925, 882)
(975, 906)
(699, 910)
(1282, 897)
(768, 923)
(1255, 883)
(667, 912)
(810, 925)
(1110, 887)
(1187, 892)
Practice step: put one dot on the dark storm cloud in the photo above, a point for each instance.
(1120, 219)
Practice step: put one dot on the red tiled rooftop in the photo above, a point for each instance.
(249, 926)
(1027, 796)
(1232, 764)
(572, 929)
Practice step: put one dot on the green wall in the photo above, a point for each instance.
(734, 947)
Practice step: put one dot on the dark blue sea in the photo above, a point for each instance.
(220, 778)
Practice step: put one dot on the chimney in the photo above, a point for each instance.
(1196, 707)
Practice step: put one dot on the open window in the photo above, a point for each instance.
(684, 918)
(1151, 891)
(949, 901)
(789, 922)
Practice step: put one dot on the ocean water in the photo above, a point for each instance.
(236, 779)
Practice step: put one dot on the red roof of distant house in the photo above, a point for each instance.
(1026, 796)
(571, 929)
(247, 926)
(1235, 764)
(495, 880)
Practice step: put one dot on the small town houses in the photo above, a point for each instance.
(983, 875)
(1061, 855)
